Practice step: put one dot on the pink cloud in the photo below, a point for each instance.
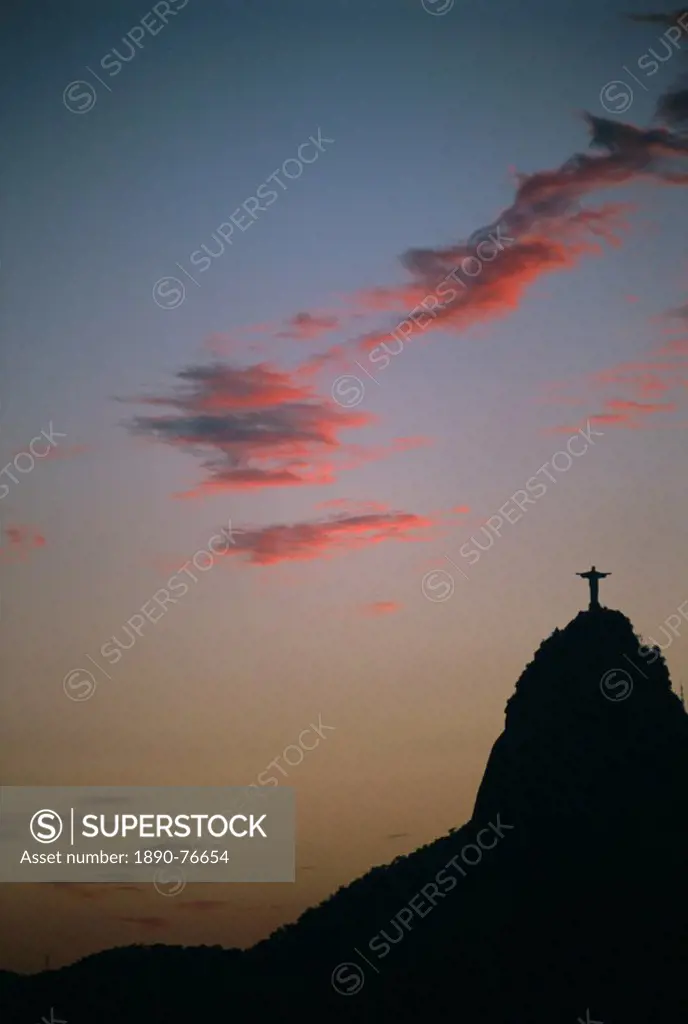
(68, 451)
(21, 540)
(547, 229)
(309, 326)
(378, 608)
(253, 426)
(305, 541)
(636, 388)
(257, 427)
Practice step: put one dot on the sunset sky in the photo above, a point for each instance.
(237, 406)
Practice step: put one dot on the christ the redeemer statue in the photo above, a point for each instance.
(593, 577)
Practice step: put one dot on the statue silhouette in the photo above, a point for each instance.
(593, 577)
(567, 883)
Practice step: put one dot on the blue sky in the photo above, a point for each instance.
(430, 117)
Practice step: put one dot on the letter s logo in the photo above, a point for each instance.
(46, 826)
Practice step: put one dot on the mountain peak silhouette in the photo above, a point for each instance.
(577, 912)
(590, 712)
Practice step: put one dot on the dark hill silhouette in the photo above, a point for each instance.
(569, 892)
